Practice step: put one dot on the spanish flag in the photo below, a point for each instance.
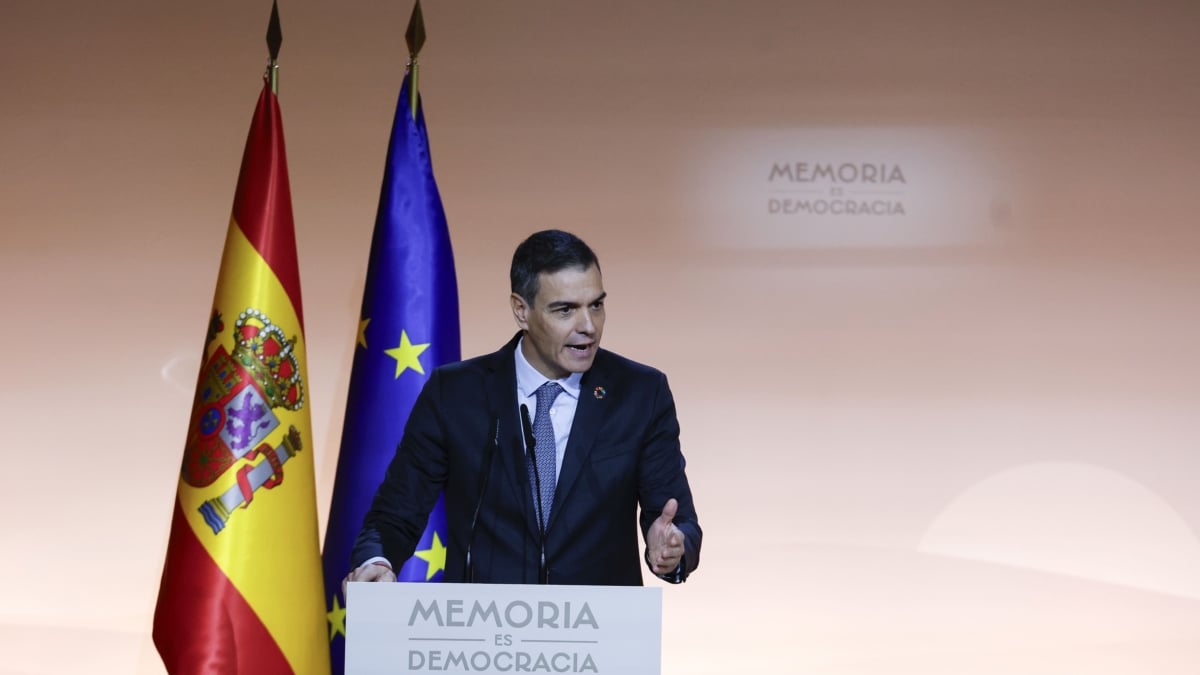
(241, 587)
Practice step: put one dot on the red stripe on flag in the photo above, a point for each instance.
(262, 205)
(202, 624)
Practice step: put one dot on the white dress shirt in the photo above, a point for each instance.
(562, 413)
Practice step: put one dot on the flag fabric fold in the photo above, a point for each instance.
(241, 584)
(407, 327)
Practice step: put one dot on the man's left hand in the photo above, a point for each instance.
(664, 541)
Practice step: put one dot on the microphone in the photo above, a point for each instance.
(487, 474)
(530, 442)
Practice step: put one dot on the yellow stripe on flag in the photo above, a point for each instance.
(268, 546)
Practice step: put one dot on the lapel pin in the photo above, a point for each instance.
(599, 392)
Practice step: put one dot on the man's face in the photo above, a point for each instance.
(563, 323)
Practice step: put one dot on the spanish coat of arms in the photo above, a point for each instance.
(234, 413)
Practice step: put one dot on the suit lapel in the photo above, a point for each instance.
(502, 399)
(589, 414)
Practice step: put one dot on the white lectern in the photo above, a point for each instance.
(502, 628)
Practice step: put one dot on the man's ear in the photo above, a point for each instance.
(520, 310)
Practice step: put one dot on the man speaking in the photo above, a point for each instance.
(545, 449)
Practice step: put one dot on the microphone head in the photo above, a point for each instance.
(525, 420)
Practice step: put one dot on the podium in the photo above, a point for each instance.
(502, 628)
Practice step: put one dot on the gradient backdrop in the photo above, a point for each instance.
(957, 439)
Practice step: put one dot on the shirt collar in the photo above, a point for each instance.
(529, 379)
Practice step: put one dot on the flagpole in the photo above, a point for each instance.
(408, 326)
(274, 40)
(415, 37)
(231, 600)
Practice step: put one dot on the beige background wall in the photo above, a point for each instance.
(961, 440)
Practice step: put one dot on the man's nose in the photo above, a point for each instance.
(586, 325)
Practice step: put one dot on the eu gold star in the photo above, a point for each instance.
(434, 556)
(362, 332)
(406, 355)
(337, 619)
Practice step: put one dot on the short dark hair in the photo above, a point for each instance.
(546, 251)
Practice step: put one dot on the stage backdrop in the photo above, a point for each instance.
(924, 276)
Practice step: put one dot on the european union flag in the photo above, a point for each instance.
(408, 326)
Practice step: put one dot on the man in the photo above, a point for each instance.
(545, 449)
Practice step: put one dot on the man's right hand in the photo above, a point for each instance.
(370, 572)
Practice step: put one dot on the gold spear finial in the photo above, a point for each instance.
(415, 37)
(274, 40)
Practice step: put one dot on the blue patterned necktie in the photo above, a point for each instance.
(544, 448)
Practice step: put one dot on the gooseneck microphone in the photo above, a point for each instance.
(487, 474)
(527, 427)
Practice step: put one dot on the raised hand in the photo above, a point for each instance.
(664, 541)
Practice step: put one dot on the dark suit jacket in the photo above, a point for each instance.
(623, 451)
